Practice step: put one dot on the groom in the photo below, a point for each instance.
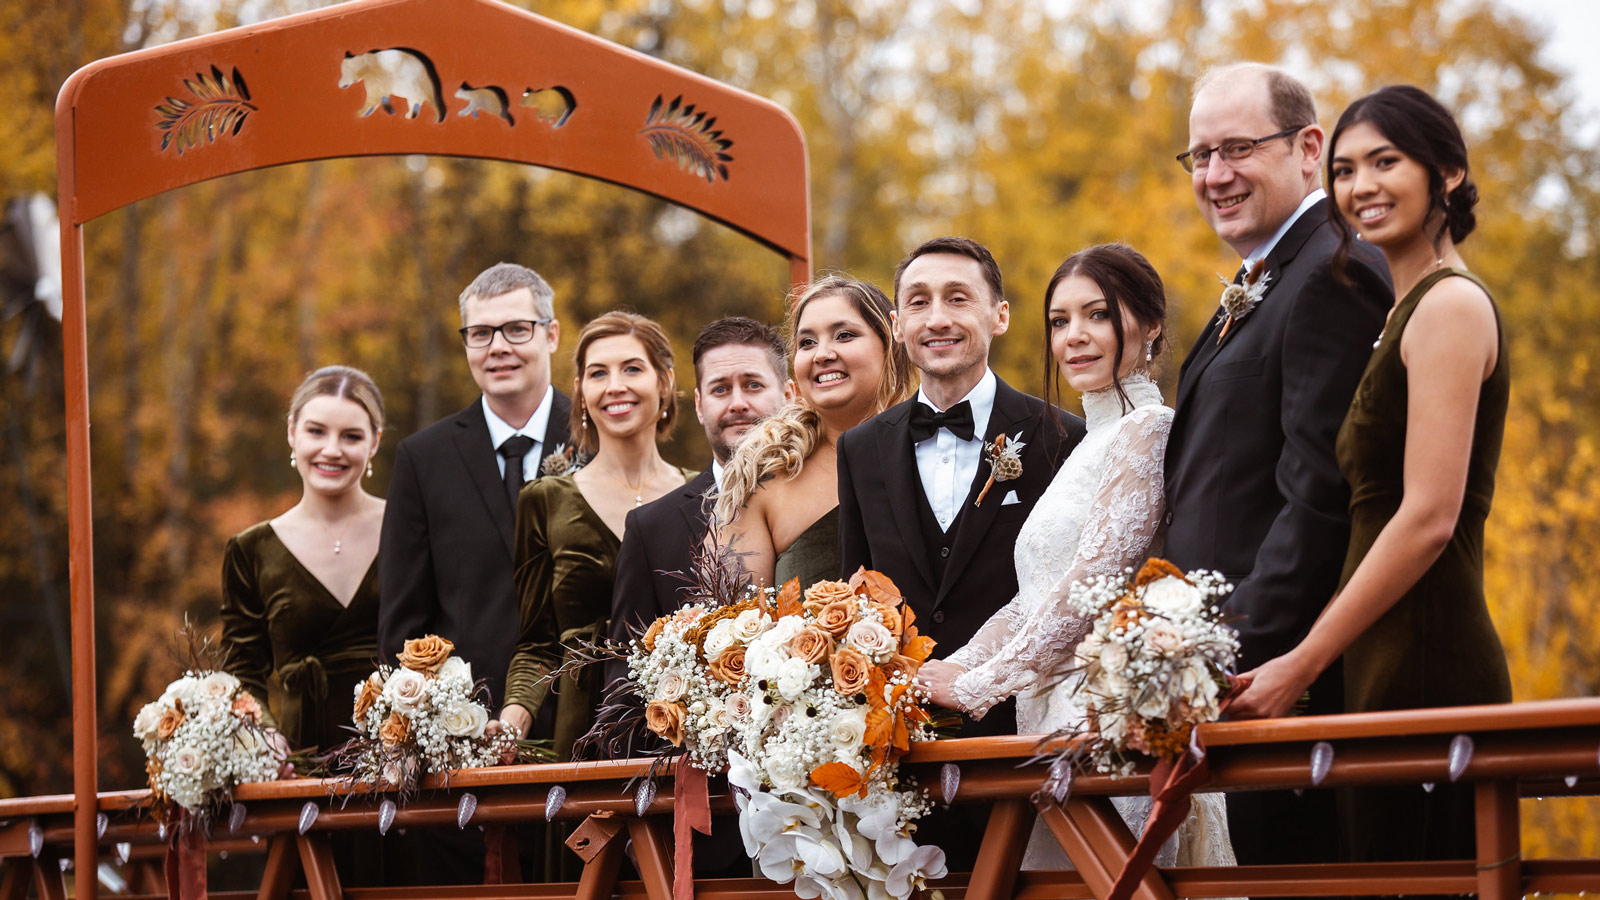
(1253, 489)
(909, 479)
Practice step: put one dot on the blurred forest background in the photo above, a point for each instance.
(1035, 126)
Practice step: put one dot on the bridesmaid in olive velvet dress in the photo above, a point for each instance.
(1419, 448)
(779, 505)
(300, 592)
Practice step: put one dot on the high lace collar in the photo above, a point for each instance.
(1105, 406)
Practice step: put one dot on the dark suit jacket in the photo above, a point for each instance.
(658, 542)
(446, 563)
(1253, 489)
(879, 490)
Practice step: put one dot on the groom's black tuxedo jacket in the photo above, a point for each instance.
(446, 563)
(1253, 489)
(880, 528)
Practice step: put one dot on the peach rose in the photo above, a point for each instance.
(898, 665)
(825, 592)
(666, 720)
(850, 671)
(170, 720)
(366, 696)
(246, 707)
(649, 639)
(426, 654)
(812, 644)
(728, 667)
(892, 619)
(738, 708)
(837, 617)
(394, 730)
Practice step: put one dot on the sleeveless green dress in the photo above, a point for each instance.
(814, 555)
(1437, 646)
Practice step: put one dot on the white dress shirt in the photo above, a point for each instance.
(538, 423)
(948, 464)
(1261, 252)
(716, 473)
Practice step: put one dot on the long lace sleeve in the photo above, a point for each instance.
(1118, 528)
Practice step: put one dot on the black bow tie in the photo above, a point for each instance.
(925, 423)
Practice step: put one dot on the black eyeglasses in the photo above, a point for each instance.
(1232, 151)
(517, 331)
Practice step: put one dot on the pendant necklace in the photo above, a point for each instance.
(638, 490)
(338, 540)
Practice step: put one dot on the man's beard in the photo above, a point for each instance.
(726, 446)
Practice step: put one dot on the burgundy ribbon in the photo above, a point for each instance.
(186, 863)
(691, 809)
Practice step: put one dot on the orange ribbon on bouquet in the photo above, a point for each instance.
(691, 811)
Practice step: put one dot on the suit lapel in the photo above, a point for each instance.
(1200, 355)
(1007, 417)
(557, 429)
(900, 479)
(693, 508)
(478, 456)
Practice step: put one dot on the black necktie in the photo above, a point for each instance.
(1238, 277)
(514, 449)
(925, 423)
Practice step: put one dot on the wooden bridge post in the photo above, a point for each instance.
(1499, 840)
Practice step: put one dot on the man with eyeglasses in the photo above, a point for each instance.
(1253, 488)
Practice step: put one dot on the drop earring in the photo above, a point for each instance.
(369, 467)
(585, 415)
(291, 459)
(1149, 351)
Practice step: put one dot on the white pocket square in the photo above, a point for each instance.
(1011, 497)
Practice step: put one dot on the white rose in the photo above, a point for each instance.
(748, 625)
(794, 676)
(738, 708)
(464, 720)
(1153, 706)
(1196, 684)
(186, 761)
(785, 773)
(1114, 658)
(761, 660)
(1173, 597)
(1089, 648)
(848, 729)
(720, 638)
(406, 690)
(456, 668)
(144, 724)
(1162, 638)
(672, 686)
(216, 686)
(1113, 727)
(871, 638)
(717, 716)
(182, 689)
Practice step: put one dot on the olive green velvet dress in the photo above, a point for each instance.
(814, 555)
(277, 617)
(566, 558)
(1437, 646)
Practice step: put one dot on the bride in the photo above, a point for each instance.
(1104, 314)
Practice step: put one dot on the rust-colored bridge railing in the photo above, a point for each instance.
(1540, 749)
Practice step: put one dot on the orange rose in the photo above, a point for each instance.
(394, 730)
(728, 667)
(426, 654)
(649, 639)
(246, 707)
(812, 644)
(898, 665)
(891, 619)
(169, 722)
(370, 691)
(837, 616)
(851, 669)
(666, 720)
(824, 592)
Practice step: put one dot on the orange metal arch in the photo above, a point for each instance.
(470, 78)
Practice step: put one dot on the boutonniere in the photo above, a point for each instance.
(1005, 461)
(1239, 299)
(561, 461)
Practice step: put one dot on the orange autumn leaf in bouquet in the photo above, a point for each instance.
(788, 603)
(1156, 569)
(840, 779)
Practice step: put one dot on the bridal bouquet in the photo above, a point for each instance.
(824, 711)
(1154, 664)
(202, 737)
(420, 718)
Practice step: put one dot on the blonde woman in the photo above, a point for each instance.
(778, 509)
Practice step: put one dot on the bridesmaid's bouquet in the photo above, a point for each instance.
(421, 718)
(1155, 663)
(202, 737)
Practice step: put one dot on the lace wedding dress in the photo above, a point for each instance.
(1097, 517)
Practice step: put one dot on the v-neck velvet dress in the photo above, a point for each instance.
(566, 560)
(277, 617)
(1437, 645)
